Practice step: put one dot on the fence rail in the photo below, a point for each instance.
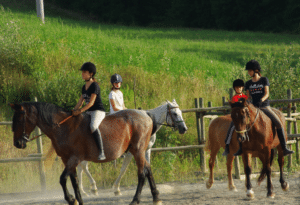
(201, 113)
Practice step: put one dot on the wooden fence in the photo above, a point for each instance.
(201, 113)
(210, 112)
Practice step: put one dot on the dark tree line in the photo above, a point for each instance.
(253, 15)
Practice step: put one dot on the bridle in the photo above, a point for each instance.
(174, 122)
(25, 136)
(248, 123)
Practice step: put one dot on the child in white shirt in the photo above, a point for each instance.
(116, 100)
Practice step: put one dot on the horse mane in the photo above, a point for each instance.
(155, 125)
(45, 110)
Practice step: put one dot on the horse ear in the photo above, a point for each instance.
(230, 103)
(244, 102)
(174, 101)
(16, 107)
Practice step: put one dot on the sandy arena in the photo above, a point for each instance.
(175, 194)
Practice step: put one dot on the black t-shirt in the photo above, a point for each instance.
(86, 94)
(257, 91)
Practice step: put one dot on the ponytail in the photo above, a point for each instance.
(258, 72)
(94, 80)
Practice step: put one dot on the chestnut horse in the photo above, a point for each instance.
(262, 138)
(126, 130)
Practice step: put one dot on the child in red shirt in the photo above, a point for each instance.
(238, 86)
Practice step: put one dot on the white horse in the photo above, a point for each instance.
(161, 114)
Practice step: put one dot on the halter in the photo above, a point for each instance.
(247, 130)
(173, 122)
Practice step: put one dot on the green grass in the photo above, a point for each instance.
(43, 60)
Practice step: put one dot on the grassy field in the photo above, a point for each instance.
(43, 60)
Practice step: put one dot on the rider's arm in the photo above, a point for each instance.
(79, 104)
(90, 104)
(266, 94)
(113, 105)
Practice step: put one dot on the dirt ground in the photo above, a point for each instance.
(174, 194)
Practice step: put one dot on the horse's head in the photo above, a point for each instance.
(174, 117)
(22, 125)
(239, 114)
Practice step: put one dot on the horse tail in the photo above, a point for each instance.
(211, 132)
(50, 158)
(272, 156)
(155, 125)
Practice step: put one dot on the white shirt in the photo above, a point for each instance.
(117, 96)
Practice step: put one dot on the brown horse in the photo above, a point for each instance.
(127, 130)
(261, 141)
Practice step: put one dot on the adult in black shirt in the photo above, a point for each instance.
(258, 89)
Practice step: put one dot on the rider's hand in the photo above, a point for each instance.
(76, 112)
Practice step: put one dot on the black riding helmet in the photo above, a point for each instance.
(238, 82)
(88, 66)
(116, 78)
(253, 65)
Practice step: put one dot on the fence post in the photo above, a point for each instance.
(296, 132)
(40, 10)
(202, 136)
(289, 96)
(236, 159)
(40, 151)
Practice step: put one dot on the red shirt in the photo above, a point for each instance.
(237, 97)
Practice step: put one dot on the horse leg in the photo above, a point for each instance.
(229, 162)
(63, 181)
(212, 160)
(79, 169)
(74, 181)
(267, 167)
(247, 170)
(151, 181)
(140, 162)
(126, 161)
(284, 185)
(92, 181)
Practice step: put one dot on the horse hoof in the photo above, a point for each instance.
(271, 196)
(208, 185)
(94, 192)
(157, 202)
(75, 202)
(286, 187)
(134, 203)
(232, 188)
(250, 194)
(118, 193)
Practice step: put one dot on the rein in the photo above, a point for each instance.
(26, 137)
(173, 123)
(247, 130)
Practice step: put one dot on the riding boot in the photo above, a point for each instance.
(226, 151)
(228, 139)
(99, 143)
(281, 137)
(240, 151)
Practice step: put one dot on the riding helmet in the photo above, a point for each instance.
(238, 82)
(88, 66)
(116, 78)
(253, 65)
